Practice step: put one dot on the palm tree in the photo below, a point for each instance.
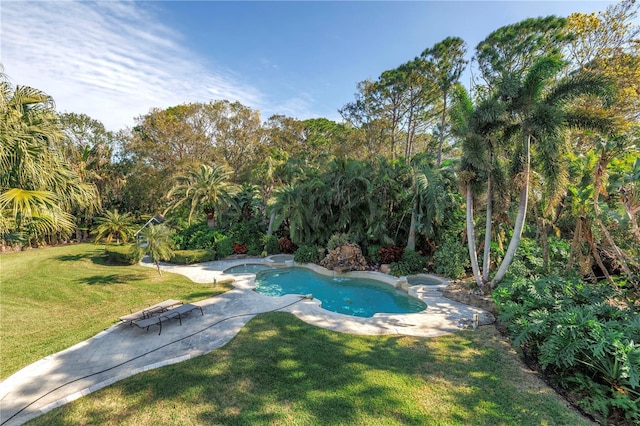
(349, 186)
(477, 126)
(37, 188)
(157, 244)
(207, 188)
(540, 111)
(432, 191)
(114, 224)
(389, 180)
(288, 204)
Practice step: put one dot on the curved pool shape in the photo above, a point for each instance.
(249, 268)
(358, 297)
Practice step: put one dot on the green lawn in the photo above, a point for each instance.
(281, 371)
(278, 370)
(53, 298)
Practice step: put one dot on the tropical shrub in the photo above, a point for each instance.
(122, 255)
(248, 233)
(373, 254)
(254, 247)
(412, 262)
(239, 248)
(286, 245)
(579, 334)
(390, 254)
(529, 262)
(270, 243)
(308, 254)
(337, 240)
(451, 259)
(187, 257)
(198, 236)
(223, 245)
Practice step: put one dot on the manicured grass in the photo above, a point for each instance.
(281, 371)
(53, 298)
(278, 370)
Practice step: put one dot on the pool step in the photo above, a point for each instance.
(427, 291)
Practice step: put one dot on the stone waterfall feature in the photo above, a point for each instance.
(344, 258)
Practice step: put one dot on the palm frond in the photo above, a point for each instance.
(581, 84)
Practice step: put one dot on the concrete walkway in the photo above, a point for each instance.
(124, 350)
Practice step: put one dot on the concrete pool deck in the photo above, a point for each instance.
(124, 350)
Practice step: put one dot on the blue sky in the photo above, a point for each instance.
(114, 60)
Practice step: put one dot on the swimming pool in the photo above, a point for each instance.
(248, 268)
(358, 297)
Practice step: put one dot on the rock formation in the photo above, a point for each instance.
(347, 257)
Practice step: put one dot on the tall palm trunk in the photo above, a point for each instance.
(443, 120)
(471, 238)
(211, 218)
(411, 241)
(520, 219)
(272, 218)
(487, 235)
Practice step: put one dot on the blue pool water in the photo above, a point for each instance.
(351, 296)
(250, 268)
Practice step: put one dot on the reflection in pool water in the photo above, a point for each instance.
(351, 296)
(250, 268)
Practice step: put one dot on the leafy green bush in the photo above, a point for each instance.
(223, 245)
(270, 243)
(254, 247)
(337, 240)
(559, 251)
(574, 331)
(248, 233)
(198, 236)
(122, 255)
(373, 254)
(528, 261)
(412, 262)
(308, 254)
(451, 259)
(187, 257)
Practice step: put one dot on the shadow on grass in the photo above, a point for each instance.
(102, 260)
(279, 370)
(77, 257)
(107, 279)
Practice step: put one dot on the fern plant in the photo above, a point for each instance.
(576, 333)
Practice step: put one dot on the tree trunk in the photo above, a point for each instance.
(582, 234)
(407, 148)
(411, 242)
(471, 239)
(520, 219)
(631, 213)
(486, 259)
(211, 218)
(272, 218)
(442, 124)
(600, 170)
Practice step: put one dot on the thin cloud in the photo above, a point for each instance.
(299, 106)
(110, 60)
